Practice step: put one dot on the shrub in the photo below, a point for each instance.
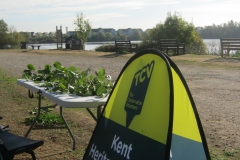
(236, 54)
(106, 48)
(175, 27)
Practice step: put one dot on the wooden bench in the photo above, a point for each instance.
(171, 44)
(125, 45)
(229, 44)
(35, 46)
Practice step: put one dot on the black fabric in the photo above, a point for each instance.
(13, 144)
(4, 128)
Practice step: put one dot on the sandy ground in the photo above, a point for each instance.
(214, 83)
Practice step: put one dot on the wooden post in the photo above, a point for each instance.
(57, 35)
(221, 48)
(61, 35)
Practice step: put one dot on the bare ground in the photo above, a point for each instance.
(213, 81)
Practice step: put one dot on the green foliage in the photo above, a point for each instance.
(9, 36)
(83, 28)
(110, 48)
(109, 36)
(236, 54)
(175, 27)
(226, 30)
(46, 118)
(3, 34)
(229, 153)
(106, 48)
(14, 38)
(101, 36)
(136, 36)
(147, 44)
(71, 80)
(198, 47)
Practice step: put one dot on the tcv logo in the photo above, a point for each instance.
(137, 93)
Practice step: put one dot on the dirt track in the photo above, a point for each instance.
(214, 85)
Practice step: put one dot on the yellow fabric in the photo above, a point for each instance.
(184, 121)
(154, 117)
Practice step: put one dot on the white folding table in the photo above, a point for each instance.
(64, 101)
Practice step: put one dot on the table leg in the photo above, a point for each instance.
(99, 111)
(90, 112)
(38, 114)
(30, 94)
(36, 118)
(70, 132)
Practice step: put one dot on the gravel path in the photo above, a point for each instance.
(216, 91)
(15, 63)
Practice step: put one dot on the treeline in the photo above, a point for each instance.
(39, 39)
(174, 27)
(9, 37)
(100, 37)
(226, 30)
(96, 37)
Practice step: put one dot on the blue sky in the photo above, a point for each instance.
(45, 15)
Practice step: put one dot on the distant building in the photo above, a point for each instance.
(98, 30)
(129, 31)
(51, 34)
(32, 34)
(147, 30)
(38, 34)
(74, 43)
(69, 33)
(45, 34)
(104, 30)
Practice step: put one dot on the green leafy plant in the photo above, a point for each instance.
(71, 80)
(46, 118)
(229, 153)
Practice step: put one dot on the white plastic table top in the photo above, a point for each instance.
(64, 100)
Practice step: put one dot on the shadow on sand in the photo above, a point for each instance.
(220, 59)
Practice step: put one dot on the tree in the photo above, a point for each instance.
(93, 38)
(123, 37)
(226, 30)
(83, 28)
(3, 34)
(14, 38)
(27, 36)
(175, 27)
(109, 36)
(101, 36)
(136, 35)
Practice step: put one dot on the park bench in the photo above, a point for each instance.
(171, 44)
(35, 46)
(229, 44)
(121, 46)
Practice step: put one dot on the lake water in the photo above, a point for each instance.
(213, 45)
(88, 45)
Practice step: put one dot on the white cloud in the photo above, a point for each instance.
(167, 3)
(105, 16)
(38, 15)
(216, 12)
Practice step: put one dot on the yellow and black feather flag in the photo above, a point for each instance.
(149, 115)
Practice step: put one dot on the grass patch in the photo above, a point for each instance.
(227, 154)
(209, 61)
(46, 118)
(15, 103)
